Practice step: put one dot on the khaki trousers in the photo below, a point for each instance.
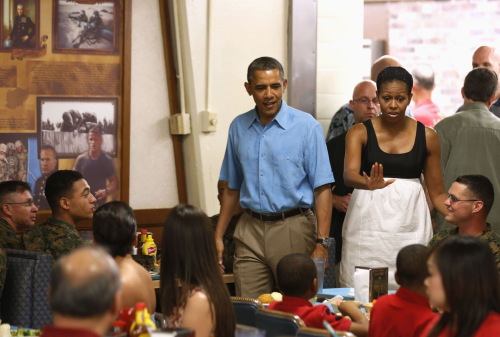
(261, 244)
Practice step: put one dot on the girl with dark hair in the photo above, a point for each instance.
(385, 215)
(463, 284)
(193, 294)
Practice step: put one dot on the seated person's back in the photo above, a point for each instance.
(407, 312)
(297, 279)
(114, 228)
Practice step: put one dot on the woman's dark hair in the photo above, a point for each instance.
(470, 281)
(114, 227)
(189, 256)
(391, 74)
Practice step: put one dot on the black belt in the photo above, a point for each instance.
(277, 216)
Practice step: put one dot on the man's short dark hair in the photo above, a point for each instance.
(295, 274)
(480, 84)
(60, 184)
(12, 186)
(89, 298)
(264, 63)
(96, 129)
(49, 147)
(480, 188)
(411, 265)
(423, 76)
(114, 227)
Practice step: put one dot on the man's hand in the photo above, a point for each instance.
(219, 244)
(25, 38)
(340, 203)
(100, 194)
(321, 252)
(376, 178)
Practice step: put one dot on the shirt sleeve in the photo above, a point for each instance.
(231, 168)
(317, 162)
(336, 322)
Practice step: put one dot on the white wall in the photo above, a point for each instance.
(152, 168)
(219, 40)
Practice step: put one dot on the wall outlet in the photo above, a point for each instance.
(180, 124)
(208, 121)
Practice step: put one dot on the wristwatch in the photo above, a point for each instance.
(326, 242)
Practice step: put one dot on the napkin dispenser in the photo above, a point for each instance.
(370, 283)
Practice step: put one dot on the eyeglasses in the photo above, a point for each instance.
(453, 199)
(365, 100)
(27, 203)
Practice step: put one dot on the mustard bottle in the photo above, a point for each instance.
(149, 247)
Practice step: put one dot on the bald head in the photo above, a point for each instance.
(488, 57)
(381, 63)
(364, 101)
(84, 283)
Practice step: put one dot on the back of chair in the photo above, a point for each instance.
(25, 295)
(313, 332)
(277, 323)
(244, 309)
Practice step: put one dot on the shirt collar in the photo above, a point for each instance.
(281, 118)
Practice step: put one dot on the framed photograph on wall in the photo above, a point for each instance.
(90, 27)
(20, 24)
(65, 124)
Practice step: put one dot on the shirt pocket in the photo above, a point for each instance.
(288, 171)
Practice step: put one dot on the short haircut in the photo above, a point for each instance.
(411, 265)
(49, 147)
(470, 281)
(480, 84)
(12, 186)
(60, 184)
(424, 77)
(96, 129)
(480, 187)
(264, 63)
(88, 298)
(295, 273)
(391, 74)
(114, 227)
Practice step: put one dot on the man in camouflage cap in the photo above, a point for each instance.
(3, 162)
(12, 162)
(470, 199)
(70, 200)
(17, 212)
(22, 155)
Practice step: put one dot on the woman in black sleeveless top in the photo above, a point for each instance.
(384, 215)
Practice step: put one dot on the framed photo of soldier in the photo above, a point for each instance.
(87, 27)
(65, 124)
(20, 24)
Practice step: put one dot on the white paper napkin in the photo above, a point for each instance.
(362, 285)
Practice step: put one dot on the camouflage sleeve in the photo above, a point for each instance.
(34, 240)
(3, 269)
(64, 244)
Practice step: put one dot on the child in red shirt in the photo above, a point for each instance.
(296, 276)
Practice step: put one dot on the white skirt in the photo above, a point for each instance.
(379, 223)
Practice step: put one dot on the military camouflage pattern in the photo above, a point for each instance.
(3, 269)
(8, 237)
(489, 237)
(227, 239)
(55, 237)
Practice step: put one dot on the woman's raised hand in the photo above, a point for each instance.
(376, 179)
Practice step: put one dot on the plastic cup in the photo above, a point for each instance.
(320, 268)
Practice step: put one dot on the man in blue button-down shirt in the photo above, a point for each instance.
(276, 165)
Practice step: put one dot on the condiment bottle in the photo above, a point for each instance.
(142, 240)
(139, 327)
(149, 248)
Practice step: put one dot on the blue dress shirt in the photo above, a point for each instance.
(276, 167)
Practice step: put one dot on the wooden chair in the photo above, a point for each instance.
(244, 310)
(278, 323)
(314, 332)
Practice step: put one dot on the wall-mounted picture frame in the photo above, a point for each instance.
(88, 27)
(65, 123)
(20, 24)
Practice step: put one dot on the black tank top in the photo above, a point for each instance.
(404, 165)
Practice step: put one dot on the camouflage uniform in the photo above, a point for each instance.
(229, 245)
(8, 237)
(489, 237)
(3, 269)
(12, 166)
(55, 237)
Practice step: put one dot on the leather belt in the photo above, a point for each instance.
(276, 216)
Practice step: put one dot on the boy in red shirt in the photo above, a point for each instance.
(297, 279)
(407, 312)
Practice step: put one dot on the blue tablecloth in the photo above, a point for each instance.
(346, 293)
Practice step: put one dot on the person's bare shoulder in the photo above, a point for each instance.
(137, 285)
